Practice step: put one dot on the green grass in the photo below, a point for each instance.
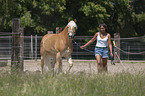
(80, 84)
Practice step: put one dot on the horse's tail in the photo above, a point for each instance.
(41, 47)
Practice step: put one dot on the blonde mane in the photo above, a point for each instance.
(72, 24)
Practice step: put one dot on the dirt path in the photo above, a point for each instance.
(86, 66)
(90, 66)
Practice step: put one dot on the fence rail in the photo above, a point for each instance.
(32, 48)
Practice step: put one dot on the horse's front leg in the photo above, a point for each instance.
(58, 62)
(69, 60)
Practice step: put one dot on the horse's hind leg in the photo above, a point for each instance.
(60, 65)
(51, 63)
(42, 63)
(46, 63)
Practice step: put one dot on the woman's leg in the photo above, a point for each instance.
(104, 61)
(98, 58)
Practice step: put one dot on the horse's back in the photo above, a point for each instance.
(46, 41)
(47, 36)
(53, 43)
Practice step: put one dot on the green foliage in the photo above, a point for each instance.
(96, 13)
(140, 17)
(94, 10)
(50, 6)
(39, 16)
(26, 20)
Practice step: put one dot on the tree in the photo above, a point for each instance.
(122, 19)
(39, 16)
(139, 16)
(5, 14)
(95, 13)
(36, 16)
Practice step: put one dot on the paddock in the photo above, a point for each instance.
(126, 50)
(82, 59)
(125, 78)
(85, 66)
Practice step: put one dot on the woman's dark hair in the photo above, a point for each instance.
(104, 25)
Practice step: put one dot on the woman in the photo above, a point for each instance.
(101, 49)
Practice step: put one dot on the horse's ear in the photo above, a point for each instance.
(69, 20)
(75, 20)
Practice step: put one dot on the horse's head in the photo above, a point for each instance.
(72, 27)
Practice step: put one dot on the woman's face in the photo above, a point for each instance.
(102, 29)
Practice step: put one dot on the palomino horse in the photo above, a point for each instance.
(57, 46)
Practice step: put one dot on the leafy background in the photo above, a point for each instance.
(126, 17)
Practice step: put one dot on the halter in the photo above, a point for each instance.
(70, 31)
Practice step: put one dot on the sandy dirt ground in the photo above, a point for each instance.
(88, 66)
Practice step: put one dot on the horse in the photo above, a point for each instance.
(58, 46)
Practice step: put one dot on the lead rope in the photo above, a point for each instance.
(84, 48)
(118, 56)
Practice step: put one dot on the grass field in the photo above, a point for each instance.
(83, 80)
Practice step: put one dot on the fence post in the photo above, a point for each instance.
(36, 47)
(21, 48)
(128, 51)
(117, 51)
(16, 59)
(50, 32)
(58, 30)
(31, 47)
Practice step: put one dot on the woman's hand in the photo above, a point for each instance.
(111, 55)
(82, 47)
(89, 42)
